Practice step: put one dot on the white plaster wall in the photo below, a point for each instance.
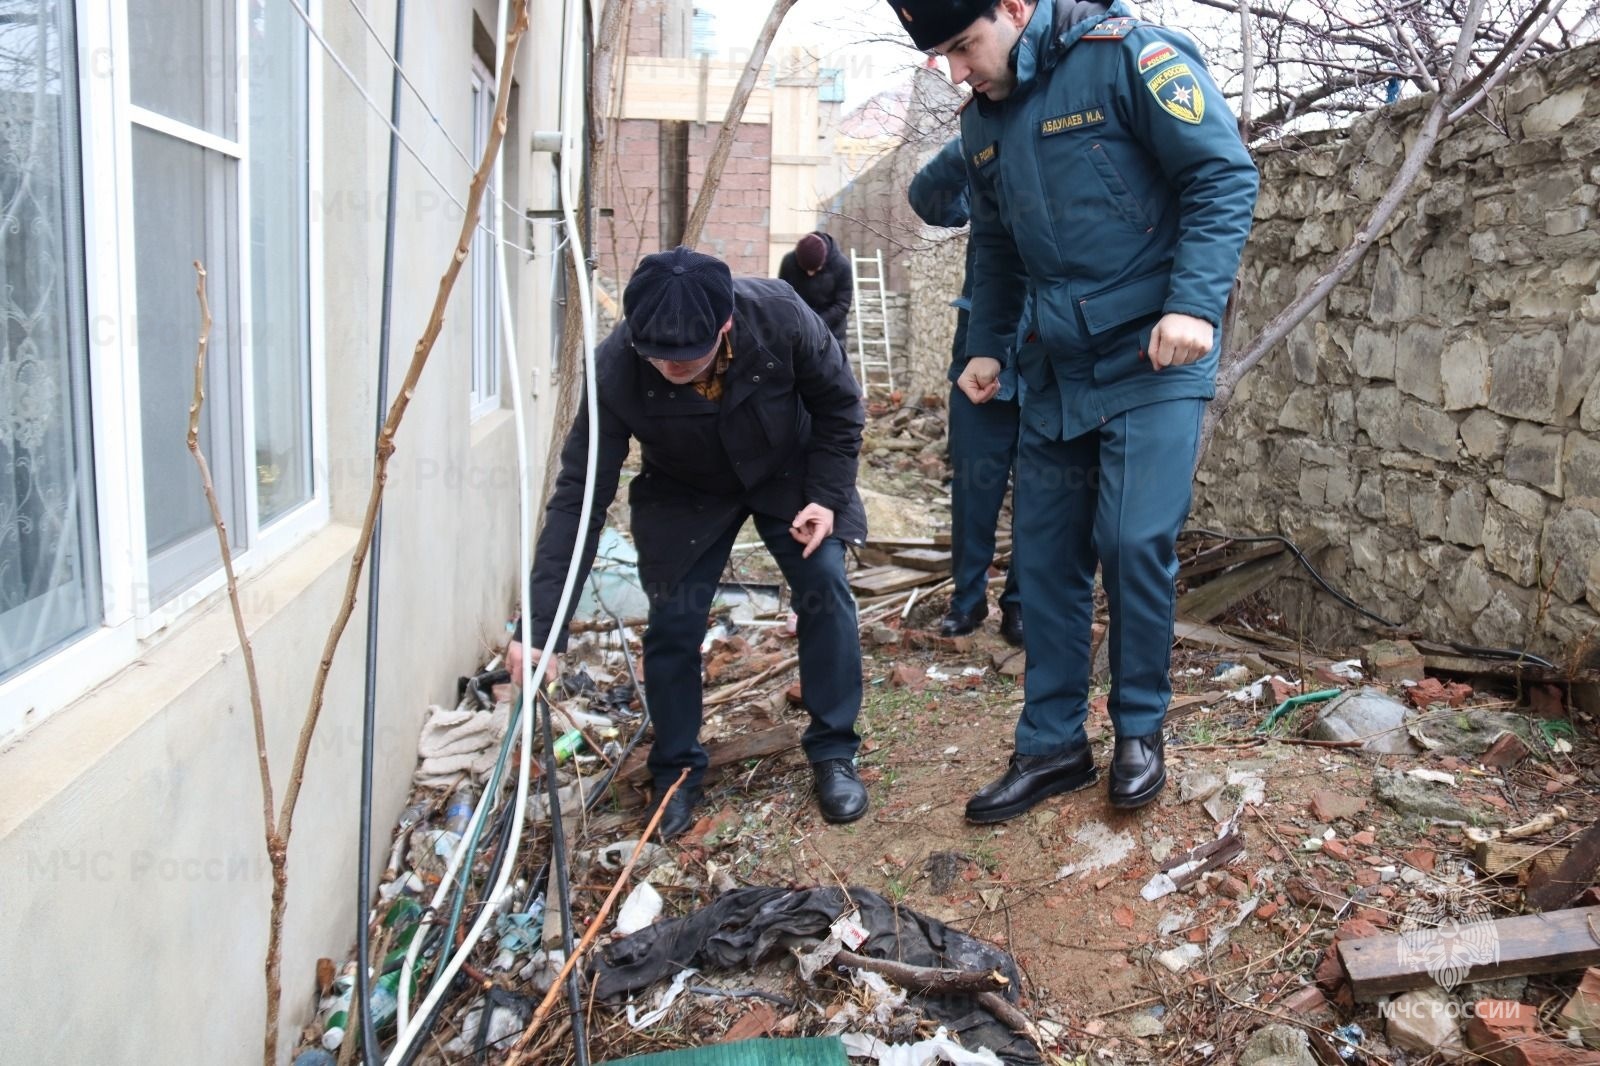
(135, 888)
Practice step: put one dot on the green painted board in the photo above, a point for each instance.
(809, 1051)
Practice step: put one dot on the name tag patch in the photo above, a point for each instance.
(984, 157)
(1089, 116)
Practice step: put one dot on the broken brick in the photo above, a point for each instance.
(1234, 888)
(1307, 1004)
(1368, 878)
(1366, 838)
(1330, 975)
(1123, 916)
(1356, 929)
(1306, 892)
(1507, 1033)
(905, 675)
(1329, 806)
(1336, 849)
(1506, 752)
(1420, 858)
(1267, 910)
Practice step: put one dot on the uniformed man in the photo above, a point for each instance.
(1111, 190)
(744, 406)
(983, 437)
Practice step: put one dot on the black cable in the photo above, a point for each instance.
(1505, 654)
(370, 1052)
(558, 845)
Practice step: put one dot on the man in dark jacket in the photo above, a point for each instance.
(1111, 192)
(820, 273)
(743, 406)
(983, 437)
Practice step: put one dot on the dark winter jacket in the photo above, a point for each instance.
(786, 432)
(829, 291)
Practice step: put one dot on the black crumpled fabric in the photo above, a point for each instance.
(742, 928)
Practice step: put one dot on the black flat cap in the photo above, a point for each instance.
(676, 303)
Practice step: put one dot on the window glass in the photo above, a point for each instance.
(49, 565)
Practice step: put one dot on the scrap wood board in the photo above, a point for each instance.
(1554, 942)
(732, 751)
(1498, 857)
(880, 580)
(930, 559)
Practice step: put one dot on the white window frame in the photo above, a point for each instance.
(128, 621)
(485, 373)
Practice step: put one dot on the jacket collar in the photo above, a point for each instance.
(1056, 25)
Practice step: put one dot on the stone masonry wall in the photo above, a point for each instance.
(1439, 417)
(934, 276)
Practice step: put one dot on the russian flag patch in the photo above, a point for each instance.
(1155, 54)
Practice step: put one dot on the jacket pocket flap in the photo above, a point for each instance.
(1139, 298)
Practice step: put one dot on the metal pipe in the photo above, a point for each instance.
(369, 711)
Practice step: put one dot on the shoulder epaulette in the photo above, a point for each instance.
(1114, 29)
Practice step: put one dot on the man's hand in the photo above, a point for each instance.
(981, 379)
(1178, 340)
(812, 526)
(514, 656)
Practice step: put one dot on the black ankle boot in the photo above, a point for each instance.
(1030, 779)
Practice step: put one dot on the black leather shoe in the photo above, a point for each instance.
(1030, 779)
(679, 815)
(840, 793)
(1138, 770)
(959, 623)
(1011, 624)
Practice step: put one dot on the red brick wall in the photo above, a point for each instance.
(736, 230)
(631, 191)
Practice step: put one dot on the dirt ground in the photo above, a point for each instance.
(1109, 975)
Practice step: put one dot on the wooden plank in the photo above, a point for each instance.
(1214, 597)
(1210, 563)
(881, 580)
(894, 544)
(733, 752)
(931, 559)
(1195, 632)
(1556, 942)
(1498, 858)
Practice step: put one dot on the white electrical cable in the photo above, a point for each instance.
(572, 146)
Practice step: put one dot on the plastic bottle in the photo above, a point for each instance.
(568, 744)
(384, 1000)
(458, 812)
(414, 815)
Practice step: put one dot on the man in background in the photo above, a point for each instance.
(820, 273)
